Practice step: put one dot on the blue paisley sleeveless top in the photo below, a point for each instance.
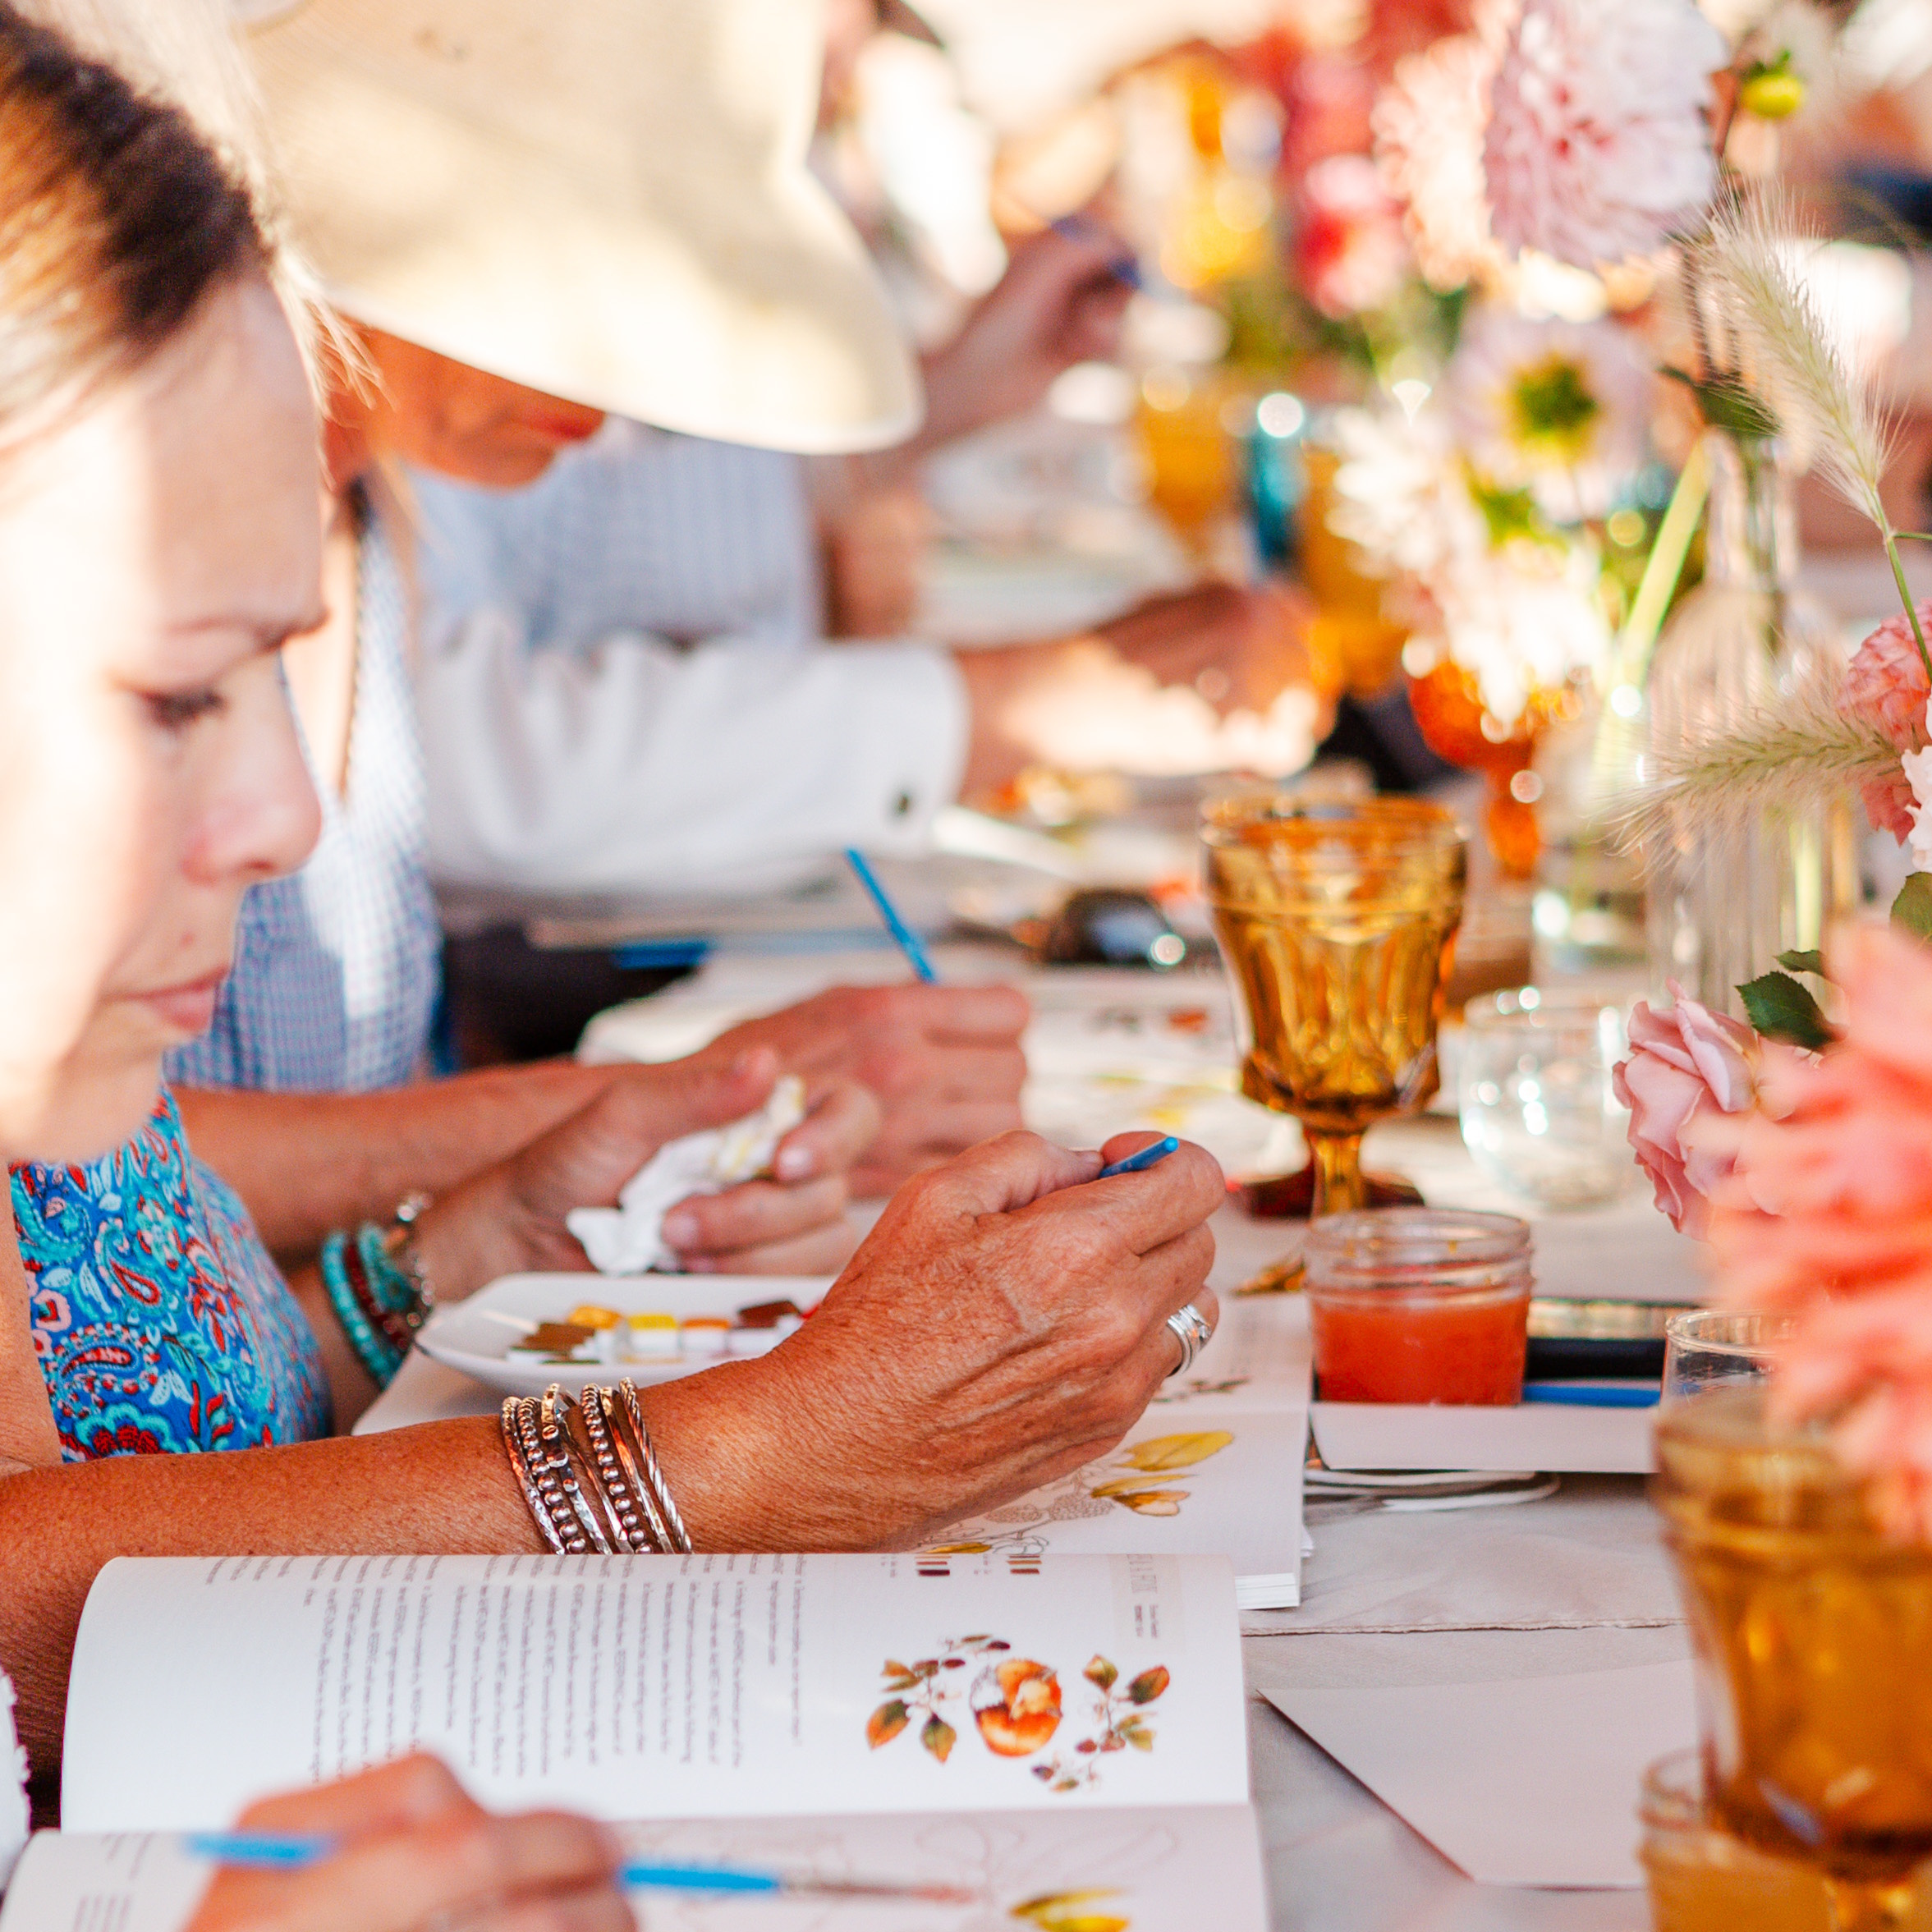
(160, 1321)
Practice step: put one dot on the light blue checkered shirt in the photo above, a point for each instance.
(337, 967)
(638, 530)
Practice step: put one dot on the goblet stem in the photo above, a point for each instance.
(1862, 1905)
(1340, 1187)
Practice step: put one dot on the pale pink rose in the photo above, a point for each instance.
(1829, 1217)
(1886, 685)
(1599, 144)
(1685, 1064)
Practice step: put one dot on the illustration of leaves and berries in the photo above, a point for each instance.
(923, 1689)
(1120, 1723)
(1016, 1705)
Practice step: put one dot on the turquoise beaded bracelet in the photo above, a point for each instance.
(376, 1352)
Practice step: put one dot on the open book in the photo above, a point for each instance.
(1215, 1465)
(1062, 1736)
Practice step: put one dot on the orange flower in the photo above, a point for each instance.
(1828, 1216)
(1016, 1705)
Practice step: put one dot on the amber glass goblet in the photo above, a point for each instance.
(1337, 920)
(1813, 1639)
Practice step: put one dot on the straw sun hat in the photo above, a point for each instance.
(604, 200)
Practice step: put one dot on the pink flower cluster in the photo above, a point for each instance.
(1828, 1216)
(1685, 1065)
(1886, 685)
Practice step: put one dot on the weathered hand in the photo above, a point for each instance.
(511, 1217)
(1003, 1323)
(417, 1851)
(1062, 300)
(944, 1062)
(1151, 684)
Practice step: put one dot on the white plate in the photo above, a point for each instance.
(474, 1335)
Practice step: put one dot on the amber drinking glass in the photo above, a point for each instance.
(1338, 921)
(1813, 1638)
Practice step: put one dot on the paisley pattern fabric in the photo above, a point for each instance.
(161, 1323)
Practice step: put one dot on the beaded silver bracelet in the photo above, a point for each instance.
(553, 1429)
(612, 1481)
(656, 1534)
(513, 1446)
(656, 1490)
(549, 1465)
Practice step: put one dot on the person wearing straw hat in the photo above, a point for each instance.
(499, 228)
(578, 743)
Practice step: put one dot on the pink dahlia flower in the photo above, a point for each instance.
(1829, 1217)
(1685, 1065)
(1886, 685)
(1598, 145)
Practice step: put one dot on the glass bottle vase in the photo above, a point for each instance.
(1723, 901)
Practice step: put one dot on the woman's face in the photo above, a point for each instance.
(155, 550)
(462, 422)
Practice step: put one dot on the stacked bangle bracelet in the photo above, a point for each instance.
(598, 1489)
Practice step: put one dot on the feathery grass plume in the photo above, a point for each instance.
(1752, 268)
(1803, 749)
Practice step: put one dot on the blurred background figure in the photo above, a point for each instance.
(626, 691)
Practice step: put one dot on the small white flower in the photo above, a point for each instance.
(1561, 408)
(1917, 766)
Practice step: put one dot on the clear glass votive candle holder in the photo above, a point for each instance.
(1419, 1305)
(1540, 1116)
(1707, 1348)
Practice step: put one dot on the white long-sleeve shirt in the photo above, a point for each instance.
(623, 688)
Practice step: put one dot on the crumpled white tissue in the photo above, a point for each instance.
(14, 1815)
(629, 1239)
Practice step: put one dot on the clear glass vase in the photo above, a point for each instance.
(1721, 903)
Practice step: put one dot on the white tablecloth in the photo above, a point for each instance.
(1575, 1582)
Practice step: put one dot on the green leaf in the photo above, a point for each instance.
(1148, 1685)
(938, 1737)
(1781, 1009)
(1727, 404)
(1912, 909)
(1141, 1740)
(1803, 962)
(1100, 1672)
(886, 1722)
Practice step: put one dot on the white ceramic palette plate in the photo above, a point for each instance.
(477, 1336)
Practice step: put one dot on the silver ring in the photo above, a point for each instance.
(1193, 1331)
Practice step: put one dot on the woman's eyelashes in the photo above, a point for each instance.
(176, 711)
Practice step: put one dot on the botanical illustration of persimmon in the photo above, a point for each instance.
(1018, 1707)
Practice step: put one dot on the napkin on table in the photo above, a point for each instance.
(629, 1239)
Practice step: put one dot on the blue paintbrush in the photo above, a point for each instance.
(907, 939)
(1149, 1156)
(257, 1851)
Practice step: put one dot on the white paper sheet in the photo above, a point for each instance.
(1525, 1782)
(1213, 1468)
(1537, 1435)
